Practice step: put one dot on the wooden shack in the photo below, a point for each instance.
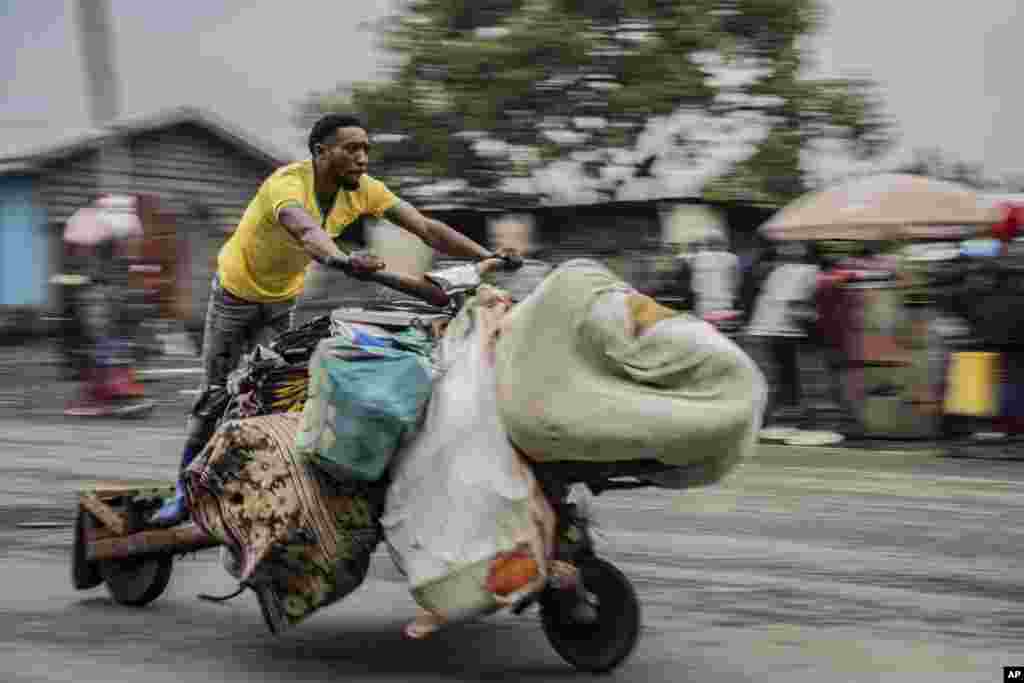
(198, 169)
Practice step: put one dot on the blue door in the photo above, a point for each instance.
(24, 253)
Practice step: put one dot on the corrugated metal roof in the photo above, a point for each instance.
(16, 167)
(23, 141)
(32, 155)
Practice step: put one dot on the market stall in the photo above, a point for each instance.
(893, 316)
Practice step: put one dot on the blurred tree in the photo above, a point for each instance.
(489, 90)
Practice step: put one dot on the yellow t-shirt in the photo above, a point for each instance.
(262, 262)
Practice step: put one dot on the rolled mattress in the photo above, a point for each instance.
(591, 370)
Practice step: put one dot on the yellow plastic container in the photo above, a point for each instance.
(973, 384)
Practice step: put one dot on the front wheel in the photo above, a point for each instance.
(601, 635)
(137, 581)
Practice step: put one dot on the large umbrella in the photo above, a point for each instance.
(882, 207)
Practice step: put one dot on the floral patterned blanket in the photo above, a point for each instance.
(300, 539)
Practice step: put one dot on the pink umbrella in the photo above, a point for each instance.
(110, 217)
(882, 207)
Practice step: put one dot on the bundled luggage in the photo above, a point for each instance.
(465, 518)
(275, 379)
(590, 370)
(365, 399)
(427, 442)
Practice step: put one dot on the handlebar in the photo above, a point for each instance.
(421, 287)
(509, 262)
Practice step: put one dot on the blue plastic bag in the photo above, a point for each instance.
(365, 401)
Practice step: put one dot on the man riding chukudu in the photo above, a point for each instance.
(293, 219)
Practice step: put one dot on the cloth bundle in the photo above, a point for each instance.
(590, 370)
(301, 540)
(585, 369)
(465, 518)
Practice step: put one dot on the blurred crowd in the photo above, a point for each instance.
(922, 339)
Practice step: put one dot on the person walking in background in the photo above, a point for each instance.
(783, 313)
(515, 233)
(834, 320)
(755, 269)
(108, 237)
(716, 277)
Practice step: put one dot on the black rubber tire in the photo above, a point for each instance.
(605, 644)
(84, 574)
(137, 581)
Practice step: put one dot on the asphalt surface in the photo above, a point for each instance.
(805, 564)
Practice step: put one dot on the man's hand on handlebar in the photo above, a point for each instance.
(505, 258)
(360, 265)
(512, 257)
(364, 263)
(366, 266)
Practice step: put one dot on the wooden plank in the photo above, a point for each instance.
(112, 488)
(103, 513)
(182, 539)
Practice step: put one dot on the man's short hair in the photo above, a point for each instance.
(326, 126)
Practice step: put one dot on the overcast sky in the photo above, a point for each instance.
(949, 70)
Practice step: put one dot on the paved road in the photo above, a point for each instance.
(805, 565)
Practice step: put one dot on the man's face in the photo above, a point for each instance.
(347, 155)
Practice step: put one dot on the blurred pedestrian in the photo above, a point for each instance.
(516, 233)
(715, 283)
(757, 267)
(109, 233)
(783, 314)
(716, 277)
(834, 323)
(680, 293)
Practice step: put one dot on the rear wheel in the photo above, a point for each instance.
(84, 573)
(597, 635)
(137, 581)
